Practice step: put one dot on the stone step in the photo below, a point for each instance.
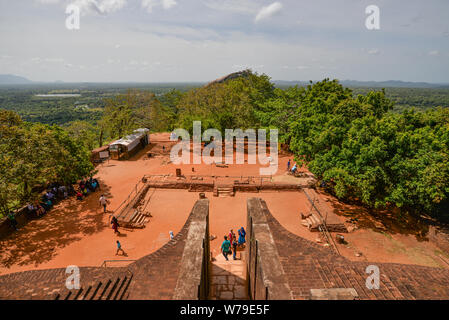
(228, 280)
(103, 291)
(85, 293)
(120, 288)
(95, 290)
(123, 294)
(110, 291)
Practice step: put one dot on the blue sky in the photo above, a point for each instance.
(200, 40)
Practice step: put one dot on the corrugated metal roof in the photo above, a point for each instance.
(130, 139)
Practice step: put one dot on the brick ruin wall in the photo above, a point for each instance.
(305, 270)
(267, 279)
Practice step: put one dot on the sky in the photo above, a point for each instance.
(201, 40)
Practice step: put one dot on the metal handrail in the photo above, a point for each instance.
(105, 261)
(323, 227)
(131, 194)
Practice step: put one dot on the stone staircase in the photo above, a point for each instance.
(133, 214)
(312, 222)
(228, 279)
(224, 191)
(112, 289)
(136, 220)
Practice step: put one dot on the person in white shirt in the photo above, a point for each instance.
(103, 202)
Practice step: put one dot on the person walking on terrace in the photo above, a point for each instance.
(103, 202)
(288, 165)
(119, 248)
(225, 247)
(115, 224)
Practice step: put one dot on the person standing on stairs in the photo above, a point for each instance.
(242, 234)
(226, 247)
(234, 247)
(231, 236)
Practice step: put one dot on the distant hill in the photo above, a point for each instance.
(371, 84)
(12, 79)
(235, 75)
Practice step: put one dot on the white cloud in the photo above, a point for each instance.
(99, 6)
(268, 11)
(236, 6)
(247, 66)
(374, 51)
(166, 4)
(434, 53)
(47, 1)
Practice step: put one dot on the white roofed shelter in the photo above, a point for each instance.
(128, 146)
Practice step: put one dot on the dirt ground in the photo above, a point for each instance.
(79, 233)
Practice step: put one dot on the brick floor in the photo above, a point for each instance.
(228, 279)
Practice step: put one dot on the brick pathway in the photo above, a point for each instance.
(228, 278)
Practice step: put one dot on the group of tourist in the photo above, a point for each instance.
(54, 193)
(231, 243)
(86, 187)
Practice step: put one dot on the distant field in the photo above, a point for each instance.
(27, 101)
(419, 98)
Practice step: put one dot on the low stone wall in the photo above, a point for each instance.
(265, 273)
(193, 279)
(199, 186)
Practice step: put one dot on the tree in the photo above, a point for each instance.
(227, 105)
(127, 112)
(36, 154)
(83, 132)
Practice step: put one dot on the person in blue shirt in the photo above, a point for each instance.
(226, 247)
(119, 248)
